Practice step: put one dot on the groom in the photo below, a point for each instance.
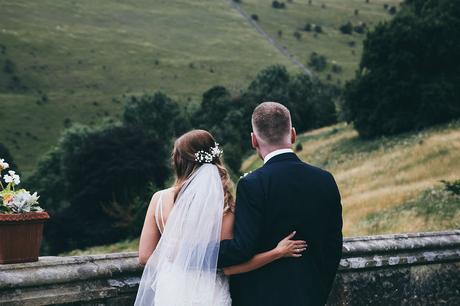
(284, 195)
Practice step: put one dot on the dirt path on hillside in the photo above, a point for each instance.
(270, 39)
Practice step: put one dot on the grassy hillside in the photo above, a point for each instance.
(73, 61)
(344, 50)
(388, 185)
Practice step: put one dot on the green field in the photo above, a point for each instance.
(73, 57)
(330, 15)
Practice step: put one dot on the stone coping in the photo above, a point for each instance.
(370, 252)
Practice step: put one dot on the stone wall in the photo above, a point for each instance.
(410, 269)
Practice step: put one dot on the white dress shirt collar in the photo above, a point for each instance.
(276, 152)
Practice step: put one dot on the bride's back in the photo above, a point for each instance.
(163, 207)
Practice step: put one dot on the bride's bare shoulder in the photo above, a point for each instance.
(164, 193)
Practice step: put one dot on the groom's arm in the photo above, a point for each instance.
(247, 228)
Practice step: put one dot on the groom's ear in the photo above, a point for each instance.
(293, 135)
(254, 141)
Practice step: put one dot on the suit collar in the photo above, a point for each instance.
(276, 152)
(281, 157)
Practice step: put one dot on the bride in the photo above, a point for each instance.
(179, 244)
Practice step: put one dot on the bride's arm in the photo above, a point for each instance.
(285, 248)
(150, 234)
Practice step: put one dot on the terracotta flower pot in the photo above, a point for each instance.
(21, 236)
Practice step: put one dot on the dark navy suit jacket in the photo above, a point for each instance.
(284, 195)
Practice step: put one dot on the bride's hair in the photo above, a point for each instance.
(184, 162)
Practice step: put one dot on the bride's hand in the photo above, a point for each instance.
(291, 248)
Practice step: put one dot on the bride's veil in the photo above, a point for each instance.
(182, 269)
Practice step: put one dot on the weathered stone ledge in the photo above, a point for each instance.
(421, 268)
(57, 270)
(400, 249)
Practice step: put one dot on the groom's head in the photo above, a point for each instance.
(272, 128)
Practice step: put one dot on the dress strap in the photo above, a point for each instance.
(159, 213)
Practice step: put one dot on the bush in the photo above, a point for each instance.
(298, 147)
(297, 35)
(255, 17)
(307, 27)
(278, 5)
(317, 62)
(360, 28)
(336, 68)
(453, 186)
(346, 28)
(318, 29)
(401, 86)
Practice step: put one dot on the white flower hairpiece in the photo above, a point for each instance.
(208, 157)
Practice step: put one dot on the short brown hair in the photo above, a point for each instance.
(271, 121)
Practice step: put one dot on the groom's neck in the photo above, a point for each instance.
(269, 149)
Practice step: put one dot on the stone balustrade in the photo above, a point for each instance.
(405, 269)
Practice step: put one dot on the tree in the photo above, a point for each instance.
(97, 181)
(215, 105)
(401, 86)
(157, 113)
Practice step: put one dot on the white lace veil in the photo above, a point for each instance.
(182, 269)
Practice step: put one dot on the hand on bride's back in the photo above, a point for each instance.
(291, 248)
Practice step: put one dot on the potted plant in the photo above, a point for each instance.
(21, 220)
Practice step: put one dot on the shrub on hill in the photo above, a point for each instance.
(278, 5)
(409, 71)
(307, 27)
(318, 29)
(297, 35)
(346, 28)
(317, 62)
(360, 28)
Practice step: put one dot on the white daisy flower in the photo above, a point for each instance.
(3, 164)
(12, 177)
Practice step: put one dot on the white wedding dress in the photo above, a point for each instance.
(182, 271)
